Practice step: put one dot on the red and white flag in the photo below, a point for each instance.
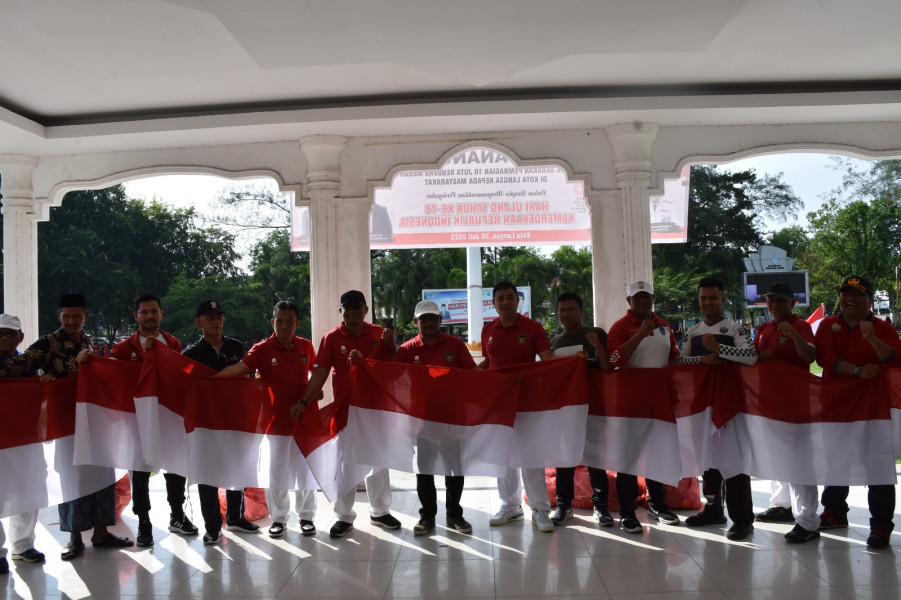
(435, 420)
(818, 315)
(632, 424)
(317, 435)
(288, 469)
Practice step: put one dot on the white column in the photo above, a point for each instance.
(339, 234)
(20, 242)
(607, 257)
(474, 292)
(632, 161)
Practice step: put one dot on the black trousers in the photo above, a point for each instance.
(881, 499)
(566, 490)
(737, 495)
(627, 492)
(140, 493)
(428, 496)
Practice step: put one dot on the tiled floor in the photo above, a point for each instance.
(578, 560)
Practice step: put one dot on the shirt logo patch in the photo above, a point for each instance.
(449, 357)
(303, 358)
(373, 343)
(836, 327)
(416, 359)
(724, 329)
(343, 349)
(274, 362)
(490, 338)
(521, 338)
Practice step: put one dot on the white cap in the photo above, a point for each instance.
(426, 307)
(8, 321)
(639, 286)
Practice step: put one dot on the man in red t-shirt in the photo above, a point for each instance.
(788, 337)
(856, 344)
(334, 351)
(282, 358)
(434, 348)
(512, 339)
(148, 313)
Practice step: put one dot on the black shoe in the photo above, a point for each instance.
(630, 524)
(878, 539)
(4, 566)
(340, 529)
(775, 514)
(385, 521)
(562, 514)
(242, 525)
(605, 519)
(211, 538)
(664, 515)
(307, 527)
(459, 524)
(831, 520)
(708, 516)
(182, 525)
(145, 534)
(423, 526)
(277, 530)
(739, 531)
(799, 535)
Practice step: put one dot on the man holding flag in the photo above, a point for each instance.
(513, 339)
(434, 348)
(148, 313)
(283, 358)
(354, 333)
(855, 344)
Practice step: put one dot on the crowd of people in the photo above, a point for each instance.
(852, 344)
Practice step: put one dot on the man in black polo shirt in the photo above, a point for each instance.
(217, 352)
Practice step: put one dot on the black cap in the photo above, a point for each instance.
(72, 301)
(353, 296)
(780, 289)
(858, 283)
(209, 306)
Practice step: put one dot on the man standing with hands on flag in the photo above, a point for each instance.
(21, 526)
(354, 333)
(513, 339)
(715, 338)
(148, 313)
(283, 358)
(855, 344)
(218, 351)
(434, 348)
(788, 337)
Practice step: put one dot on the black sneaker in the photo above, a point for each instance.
(775, 514)
(423, 526)
(605, 519)
(307, 527)
(631, 525)
(385, 521)
(145, 534)
(708, 516)
(211, 538)
(799, 535)
(664, 515)
(878, 539)
(242, 525)
(182, 525)
(831, 520)
(562, 514)
(739, 531)
(277, 530)
(4, 566)
(340, 529)
(459, 524)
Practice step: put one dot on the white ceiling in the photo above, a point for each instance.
(99, 75)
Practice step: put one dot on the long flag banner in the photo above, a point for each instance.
(424, 419)
(770, 420)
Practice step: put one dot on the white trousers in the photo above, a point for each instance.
(509, 489)
(21, 533)
(279, 504)
(781, 496)
(805, 503)
(378, 488)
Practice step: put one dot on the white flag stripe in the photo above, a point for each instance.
(24, 469)
(224, 458)
(108, 438)
(550, 438)
(643, 447)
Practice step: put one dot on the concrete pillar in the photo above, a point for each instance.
(20, 242)
(607, 257)
(339, 234)
(632, 161)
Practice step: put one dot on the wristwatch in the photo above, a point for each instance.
(856, 371)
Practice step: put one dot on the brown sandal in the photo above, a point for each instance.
(111, 541)
(74, 548)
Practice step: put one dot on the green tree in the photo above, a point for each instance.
(283, 274)
(524, 266)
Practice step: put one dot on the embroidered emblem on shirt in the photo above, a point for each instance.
(303, 358)
(274, 362)
(343, 349)
(836, 327)
(783, 338)
(724, 329)
(521, 338)
(416, 359)
(449, 357)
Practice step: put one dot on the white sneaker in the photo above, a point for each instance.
(506, 515)
(542, 520)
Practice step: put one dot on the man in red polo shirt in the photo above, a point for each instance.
(283, 358)
(856, 344)
(512, 339)
(148, 313)
(334, 351)
(434, 348)
(788, 337)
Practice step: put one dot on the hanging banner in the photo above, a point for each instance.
(454, 304)
(669, 211)
(478, 197)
